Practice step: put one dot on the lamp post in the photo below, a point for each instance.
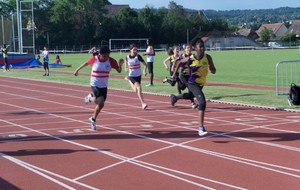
(187, 36)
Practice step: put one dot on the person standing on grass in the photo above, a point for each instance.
(150, 53)
(199, 64)
(184, 77)
(133, 65)
(101, 67)
(45, 55)
(5, 57)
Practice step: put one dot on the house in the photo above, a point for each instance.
(226, 40)
(294, 28)
(278, 30)
(247, 33)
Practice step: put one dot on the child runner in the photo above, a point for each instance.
(184, 76)
(133, 65)
(94, 51)
(172, 58)
(101, 66)
(199, 64)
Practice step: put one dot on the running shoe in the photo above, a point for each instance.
(202, 131)
(93, 123)
(195, 105)
(144, 106)
(149, 85)
(173, 99)
(87, 98)
(165, 80)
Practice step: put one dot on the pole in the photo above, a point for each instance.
(19, 27)
(48, 44)
(33, 28)
(187, 36)
(3, 37)
(13, 30)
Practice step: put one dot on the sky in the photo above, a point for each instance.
(211, 4)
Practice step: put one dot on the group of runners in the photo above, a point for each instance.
(187, 70)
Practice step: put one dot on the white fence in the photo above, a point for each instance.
(287, 72)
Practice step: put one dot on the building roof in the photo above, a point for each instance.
(274, 27)
(244, 32)
(294, 28)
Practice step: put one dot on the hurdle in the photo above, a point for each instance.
(287, 72)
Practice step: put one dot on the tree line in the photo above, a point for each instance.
(69, 22)
(255, 18)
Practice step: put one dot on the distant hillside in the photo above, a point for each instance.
(254, 18)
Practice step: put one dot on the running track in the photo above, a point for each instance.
(46, 143)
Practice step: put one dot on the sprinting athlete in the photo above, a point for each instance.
(101, 67)
(173, 56)
(199, 64)
(133, 65)
(184, 76)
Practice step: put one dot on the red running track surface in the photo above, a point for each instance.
(46, 142)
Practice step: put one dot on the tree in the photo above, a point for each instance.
(78, 20)
(218, 24)
(148, 20)
(174, 24)
(123, 29)
(5, 8)
(265, 34)
(197, 25)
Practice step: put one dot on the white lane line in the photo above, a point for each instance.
(280, 146)
(148, 120)
(22, 164)
(109, 154)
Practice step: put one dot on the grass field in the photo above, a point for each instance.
(252, 67)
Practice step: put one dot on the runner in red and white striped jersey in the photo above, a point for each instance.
(101, 67)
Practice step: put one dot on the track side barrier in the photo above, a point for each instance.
(287, 72)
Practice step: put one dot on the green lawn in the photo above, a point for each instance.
(253, 67)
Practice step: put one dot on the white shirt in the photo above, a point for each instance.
(150, 58)
(134, 66)
(100, 71)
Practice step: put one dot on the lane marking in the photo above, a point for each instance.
(138, 126)
(25, 165)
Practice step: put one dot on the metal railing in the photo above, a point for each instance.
(287, 72)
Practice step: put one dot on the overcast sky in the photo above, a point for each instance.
(212, 4)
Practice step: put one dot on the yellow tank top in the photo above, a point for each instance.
(4, 53)
(198, 70)
(184, 66)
